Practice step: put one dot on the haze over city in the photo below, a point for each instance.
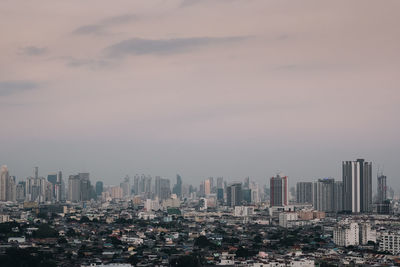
(230, 88)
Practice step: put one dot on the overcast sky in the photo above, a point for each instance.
(230, 88)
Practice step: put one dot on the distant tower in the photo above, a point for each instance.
(178, 186)
(234, 195)
(304, 193)
(4, 183)
(382, 188)
(324, 195)
(357, 186)
(279, 191)
(99, 188)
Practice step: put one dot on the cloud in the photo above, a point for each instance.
(13, 87)
(187, 3)
(101, 27)
(140, 46)
(90, 29)
(92, 63)
(34, 50)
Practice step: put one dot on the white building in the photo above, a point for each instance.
(241, 211)
(390, 242)
(285, 217)
(367, 234)
(345, 235)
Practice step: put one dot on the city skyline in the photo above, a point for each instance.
(104, 88)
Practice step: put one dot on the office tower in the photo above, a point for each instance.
(74, 188)
(157, 187)
(52, 180)
(165, 189)
(136, 179)
(220, 194)
(36, 172)
(246, 182)
(220, 182)
(304, 193)
(279, 191)
(382, 189)
(147, 188)
(234, 195)
(4, 183)
(59, 188)
(85, 187)
(207, 187)
(357, 186)
(178, 186)
(255, 193)
(126, 187)
(99, 188)
(324, 192)
(338, 196)
(20, 192)
(246, 192)
(142, 182)
(211, 179)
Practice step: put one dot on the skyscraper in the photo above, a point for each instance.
(234, 195)
(74, 188)
(178, 186)
(304, 192)
(279, 191)
(324, 195)
(357, 186)
(382, 188)
(4, 183)
(99, 188)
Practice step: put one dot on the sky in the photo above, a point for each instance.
(202, 88)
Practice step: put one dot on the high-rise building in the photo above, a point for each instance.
(20, 191)
(165, 189)
(338, 196)
(74, 188)
(234, 195)
(382, 188)
(99, 188)
(126, 187)
(136, 179)
(207, 187)
(279, 191)
(86, 187)
(357, 186)
(178, 186)
(220, 182)
(4, 183)
(324, 195)
(304, 193)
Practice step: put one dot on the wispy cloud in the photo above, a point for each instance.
(141, 46)
(33, 50)
(101, 27)
(87, 62)
(187, 3)
(13, 87)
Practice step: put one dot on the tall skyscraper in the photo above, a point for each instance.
(279, 191)
(338, 196)
(234, 195)
(357, 186)
(86, 187)
(207, 187)
(4, 183)
(99, 188)
(178, 186)
(382, 188)
(74, 188)
(304, 193)
(324, 193)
